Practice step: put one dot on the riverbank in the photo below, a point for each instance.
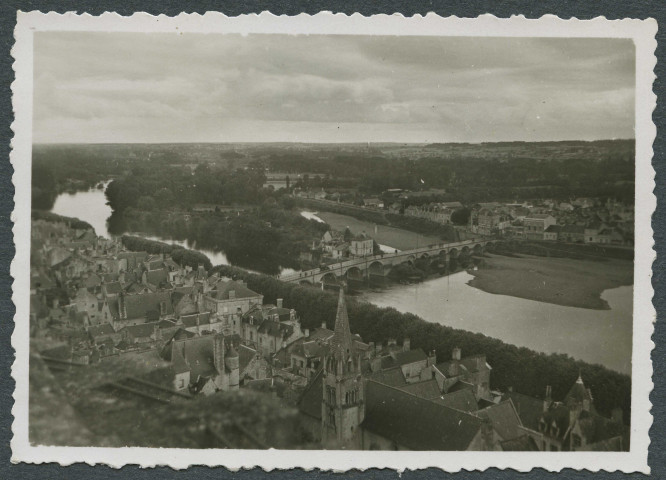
(560, 281)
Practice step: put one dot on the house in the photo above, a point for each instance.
(373, 202)
(100, 334)
(551, 233)
(269, 328)
(231, 296)
(141, 333)
(473, 371)
(252, 365)
(340, 251)
(203, 364)
(134, 309)
(572, 233)
(536, 223)
(491, 222)
(572, 424)
(361, 245)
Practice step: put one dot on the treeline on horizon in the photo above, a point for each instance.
(469, 172)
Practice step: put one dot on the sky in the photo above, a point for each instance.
(92, 87)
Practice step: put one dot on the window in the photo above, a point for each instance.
(181, 383)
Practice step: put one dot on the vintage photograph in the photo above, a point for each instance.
(324, 241)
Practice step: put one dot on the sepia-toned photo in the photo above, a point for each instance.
(271, 239)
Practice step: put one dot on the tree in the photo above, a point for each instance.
(348, 235)
(146, 203)
(461, 216)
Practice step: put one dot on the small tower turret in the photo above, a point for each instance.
(232, 362)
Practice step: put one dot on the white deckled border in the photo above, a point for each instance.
(643, 34)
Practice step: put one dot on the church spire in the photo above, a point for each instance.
(342, 339)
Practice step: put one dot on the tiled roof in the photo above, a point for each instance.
(245, 355)
(222, 290)
(529, 409)
(463, 400)
(99, 330)
(311, 399)
(410, 356)
(392, 376)
(321, 333)
(191, 320)
(157, 277)
(504, 419)
(524, 443)
(427, 389)
(138, 305)
(416, 423)
(599, 429)
(112, 288)
(141, 330)
(275, 329)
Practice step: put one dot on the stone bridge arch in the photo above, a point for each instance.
(329, 279)
(477, 249)
(354, 273)
(376, 268)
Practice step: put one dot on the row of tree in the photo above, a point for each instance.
(182, 256)
(524, 370)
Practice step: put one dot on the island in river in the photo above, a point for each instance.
(561, 281)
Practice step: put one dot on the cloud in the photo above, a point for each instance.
(130, 87)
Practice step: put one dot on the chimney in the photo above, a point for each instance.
(457, 353)
(284, 344)
(406, 345)
(232, 294)
(279, 303)
(306, 332)
(323, 325)
(218, 352)
(549, 392)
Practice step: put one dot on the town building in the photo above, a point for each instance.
(361, 245)
(537, 223)
(203, 364)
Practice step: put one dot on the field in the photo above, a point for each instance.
(390, 236)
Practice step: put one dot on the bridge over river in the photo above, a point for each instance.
(361, 268)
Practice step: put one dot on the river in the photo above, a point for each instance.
(595, 336)
(91, 206)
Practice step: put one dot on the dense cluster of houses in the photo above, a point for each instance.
(333, 246)
(216, 334)
(583, 220)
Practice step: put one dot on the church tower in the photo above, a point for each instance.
(343, 397)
